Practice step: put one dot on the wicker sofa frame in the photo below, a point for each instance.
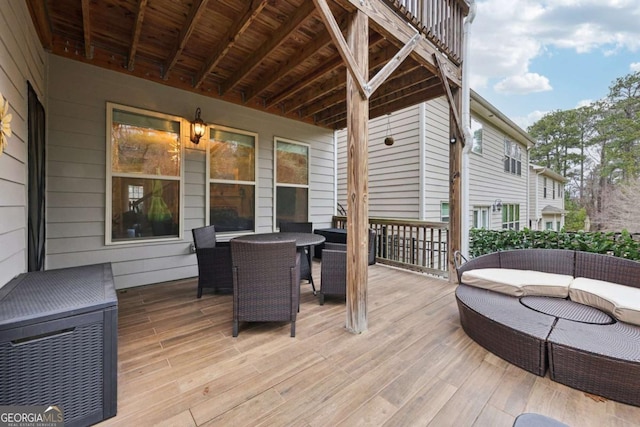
(602, 359)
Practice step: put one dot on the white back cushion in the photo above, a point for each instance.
(519, 283)
(623, 302)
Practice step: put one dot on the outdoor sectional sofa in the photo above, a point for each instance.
(575, 313)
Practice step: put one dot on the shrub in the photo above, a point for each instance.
(621, 244)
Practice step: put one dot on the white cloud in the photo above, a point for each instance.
(507, 35)
(523, 84)
(635, 66)
(529, 119)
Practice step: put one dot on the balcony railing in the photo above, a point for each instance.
(412, 245)
(440, 20)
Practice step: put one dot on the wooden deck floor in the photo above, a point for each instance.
(178, 365)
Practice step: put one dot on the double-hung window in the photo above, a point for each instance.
(481, 217)
(511, 217)
(544, 188)
(444, 211)
(231, 172)
(292, 181)
(512, 157)
(144, 175)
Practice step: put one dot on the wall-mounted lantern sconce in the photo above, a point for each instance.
(497, 205)
(198, 128)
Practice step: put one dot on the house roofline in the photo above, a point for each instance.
(490, 113)
(541, 170)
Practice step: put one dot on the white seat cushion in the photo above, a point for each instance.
(519, 283)
(623, 302)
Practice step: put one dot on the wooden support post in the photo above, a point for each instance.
(455, 183)
(357, 177)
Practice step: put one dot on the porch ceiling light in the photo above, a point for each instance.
(198, 128)
(497, 205)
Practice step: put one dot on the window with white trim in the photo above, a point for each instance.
(231, 172)
(481, 217)
(544, 188)
(477, 134)
(512, 157)
(291, 171)
(511, 216)
(548, 225)
(144, 175)
(444, 211)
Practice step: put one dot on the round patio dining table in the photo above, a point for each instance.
(302, 239)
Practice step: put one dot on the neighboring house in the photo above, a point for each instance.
(410, 179)
(546, 199)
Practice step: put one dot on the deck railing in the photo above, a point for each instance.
(440, 20)
(409, 244)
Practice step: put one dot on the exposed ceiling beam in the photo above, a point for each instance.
(40, 17)
(404, 88)
(316, 74)
(321, 41)
(309, 79)
(338, 81)
(135, 36)
(230, 38)
(197, 9)
(393, 26)
(277, 38)
(342, 46)
(415, 72)
(86, 26)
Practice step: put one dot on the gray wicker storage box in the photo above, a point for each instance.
(58, 342)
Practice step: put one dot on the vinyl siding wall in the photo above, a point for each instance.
(436, 159)
(488, 180)
(77, 170)
(394, 171)
(22, 59)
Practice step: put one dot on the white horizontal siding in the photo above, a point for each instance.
(22, 59)
(77, 170)
(394, 171)
(436, 158)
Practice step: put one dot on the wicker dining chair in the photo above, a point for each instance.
(333, 271)
(214, 261)
(305, 252)
(266, 282)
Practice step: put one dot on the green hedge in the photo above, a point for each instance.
(618, 244)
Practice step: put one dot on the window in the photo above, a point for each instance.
(144, 175)
(548, 225)
(512, 157)
(476, 131)
(481, 217)
(560, 190)
(544, 188)
(292, 181)
(511, 217)
(444, 212)
(553, 192)
(231, 168)
(558, 227)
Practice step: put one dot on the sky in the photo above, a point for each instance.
(531, 57)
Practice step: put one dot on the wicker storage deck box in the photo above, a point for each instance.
(58, 342)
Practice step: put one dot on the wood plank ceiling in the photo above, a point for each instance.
(271, 55)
